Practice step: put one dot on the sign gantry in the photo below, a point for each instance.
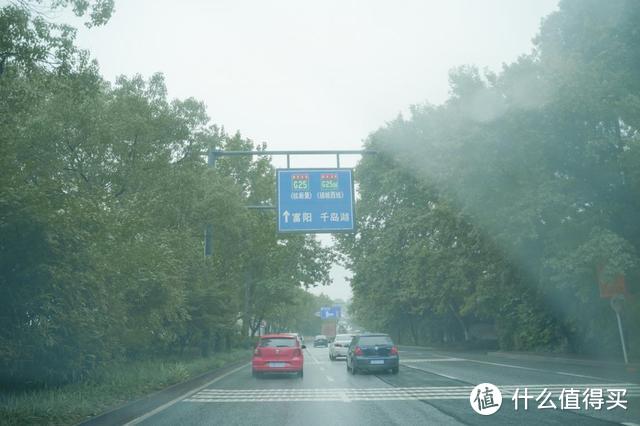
(308, 200)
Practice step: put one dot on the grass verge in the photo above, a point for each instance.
(107, 388)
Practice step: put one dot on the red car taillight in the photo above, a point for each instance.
(394, 350)
(297, 352)
(357, 351)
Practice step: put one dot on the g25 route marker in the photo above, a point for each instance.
(315, 200)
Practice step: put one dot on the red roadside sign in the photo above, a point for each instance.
(610, 288)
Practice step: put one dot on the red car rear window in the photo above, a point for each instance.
(278, 342)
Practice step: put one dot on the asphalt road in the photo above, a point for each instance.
(431, 388)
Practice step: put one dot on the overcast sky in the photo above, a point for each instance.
(311, 75)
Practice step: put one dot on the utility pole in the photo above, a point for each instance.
(208, 229)
(246, 314)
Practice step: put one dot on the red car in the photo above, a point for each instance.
(278, 353)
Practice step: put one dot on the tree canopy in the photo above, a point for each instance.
(499, 205)
(105, 196)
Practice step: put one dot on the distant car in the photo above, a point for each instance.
(278, 353)
(299, 337)
(320, 341)
(372, 352)
(339, 346)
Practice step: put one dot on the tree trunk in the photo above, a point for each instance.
(412, 329)
(465, 330)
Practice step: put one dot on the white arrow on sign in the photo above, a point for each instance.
(286, 215)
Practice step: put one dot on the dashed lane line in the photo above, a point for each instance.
(540, 370)
(499, 364)
(446, 376)
(410, 360)
(315, 360)
(577, 375)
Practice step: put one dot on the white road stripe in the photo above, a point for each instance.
(182, 397)
(386, 393)
(499, 364)
(574, 375)
(536, 369)
(315, 360)
(329, 378)
(628, 386)
(465, 391)
(328, 399)
(433, 372)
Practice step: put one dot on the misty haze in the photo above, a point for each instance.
(366, 212)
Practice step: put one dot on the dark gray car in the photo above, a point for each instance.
(320, 341)
(372, 352)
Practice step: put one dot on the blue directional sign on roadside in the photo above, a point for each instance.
(315, 200)
(330, 312)
(337, 311)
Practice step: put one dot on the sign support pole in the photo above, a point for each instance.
(617, 303)
(624, 348)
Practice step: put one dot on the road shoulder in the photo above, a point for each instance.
(151, 403)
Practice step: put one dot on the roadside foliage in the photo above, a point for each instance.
(497, 207)
(105, 196)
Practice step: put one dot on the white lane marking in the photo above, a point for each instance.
(499, 364)
(577, 375)
(383, 394)
(226, 391)
(183, 397)
(329, 378)
(538, 370)
(315, 361)
(322, 369)
(433, 372)
(332, 399)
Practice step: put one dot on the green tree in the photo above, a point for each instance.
(500, 204)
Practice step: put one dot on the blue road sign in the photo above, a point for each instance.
(330, 312)
(315, 200)
(337, 311)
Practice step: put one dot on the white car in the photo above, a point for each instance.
(339, 346)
